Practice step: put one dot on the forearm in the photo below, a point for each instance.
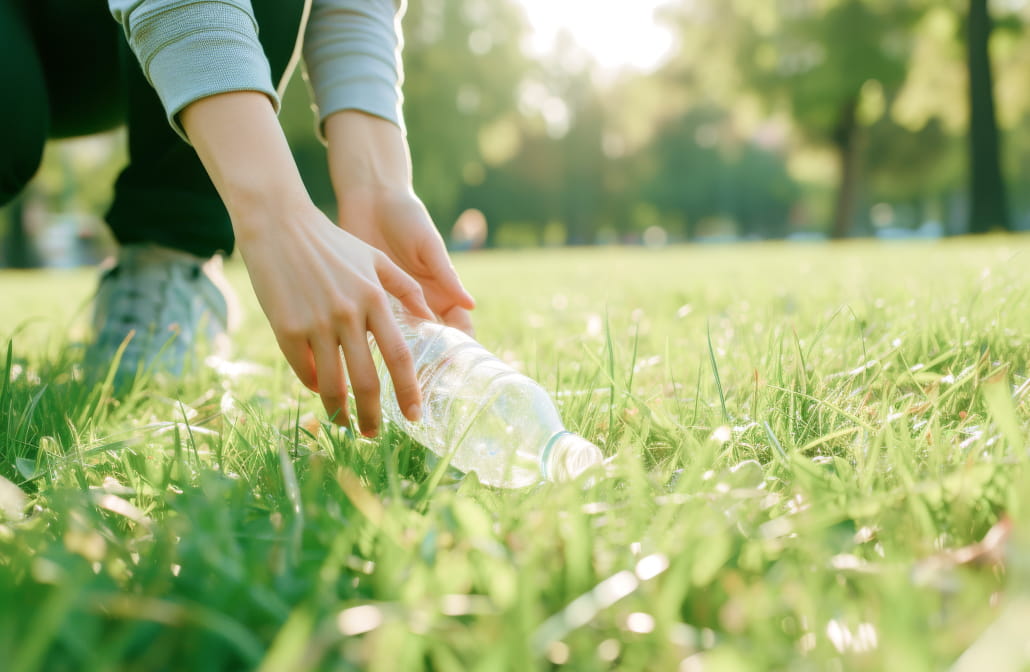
(366, 152)
(242, 146)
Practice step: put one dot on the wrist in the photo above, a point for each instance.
(366, 152)
(265, 195)
(255, 217)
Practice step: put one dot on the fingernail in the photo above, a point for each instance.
(370, 433)
(414, 412)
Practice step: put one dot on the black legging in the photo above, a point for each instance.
(66, 70)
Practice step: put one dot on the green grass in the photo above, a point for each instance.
(799, 436)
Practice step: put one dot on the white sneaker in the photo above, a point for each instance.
(172, 309)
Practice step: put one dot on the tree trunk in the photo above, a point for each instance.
(847, 139)
(989, 205)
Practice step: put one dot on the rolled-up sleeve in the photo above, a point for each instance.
(352, 55)
(191, 49)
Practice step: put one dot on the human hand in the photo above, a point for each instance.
(371, 173)
(321, 288)
(396, 223)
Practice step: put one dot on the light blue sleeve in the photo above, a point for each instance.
(190, 49)
(352, 56)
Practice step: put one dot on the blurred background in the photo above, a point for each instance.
(653, 122)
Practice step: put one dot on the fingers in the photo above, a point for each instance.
(331, 384)
(400, 363)
(459, 318)
(298, 355)
(364, 379)
(401, 285)
(440, 266)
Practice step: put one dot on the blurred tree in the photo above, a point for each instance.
(700, 169)
(562, 176)
(559, 172)
(584, 164)
(828, 61)
(921, 168)
(767, 193)
(463, 65)
(688, 176)
(524, 190)
(577, 126)
(988, 197)
(915, 154)
(825, 63)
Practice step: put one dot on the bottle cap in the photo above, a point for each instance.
(568, 455)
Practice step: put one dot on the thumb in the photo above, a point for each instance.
(439, 264)
(459, 318)
(403, 286)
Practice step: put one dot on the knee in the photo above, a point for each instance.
(19, 162)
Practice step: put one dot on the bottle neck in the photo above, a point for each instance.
(566, 456)
(548, 453)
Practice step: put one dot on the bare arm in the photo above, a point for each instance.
(320, 287)
(371, 174)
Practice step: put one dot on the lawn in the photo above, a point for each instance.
(817, 460)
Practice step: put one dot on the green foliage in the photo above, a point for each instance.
(816, 63)
(463, 65)
(743, 130)
(699, 173)
(801, 438)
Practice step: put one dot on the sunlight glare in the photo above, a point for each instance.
(616, 33)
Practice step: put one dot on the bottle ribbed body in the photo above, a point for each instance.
(481, 414)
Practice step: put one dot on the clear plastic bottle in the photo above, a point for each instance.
(481, 413)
